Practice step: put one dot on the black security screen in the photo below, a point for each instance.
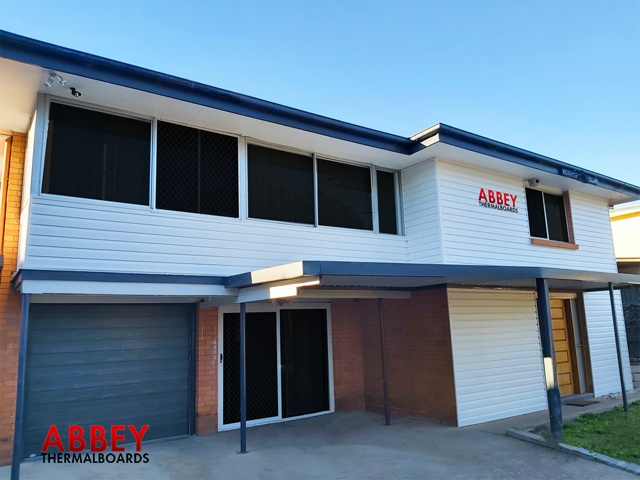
(387, 202)
(97, 155)
(305, 369)
(261, 367)
(344, 195)
(280, 185)
(556, 218)
(197, 171)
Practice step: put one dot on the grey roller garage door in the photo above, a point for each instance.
(109, 365)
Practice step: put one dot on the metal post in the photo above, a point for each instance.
(385, 387)
(243, 378)
(548, 353)
(18, 442)
(618, 350)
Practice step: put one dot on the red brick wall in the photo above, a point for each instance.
(207, 372)
(348, 379)
(419, 356)
(10, 301)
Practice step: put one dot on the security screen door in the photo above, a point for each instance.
(292, 342)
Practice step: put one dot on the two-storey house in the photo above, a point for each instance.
(158, 233)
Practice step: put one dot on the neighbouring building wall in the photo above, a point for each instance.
(496, 354)
(421, 215)
(10, 301)
(346, 342)
(207, 371)
(418, 356)
(602, 346)
(473, 234)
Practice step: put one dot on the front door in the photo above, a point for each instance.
(562, 344)
(287, 365)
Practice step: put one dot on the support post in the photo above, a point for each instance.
(625, 404)
(385, 387)
(18, 441)
(548, 353)
(243, 378)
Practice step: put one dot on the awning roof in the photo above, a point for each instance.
(394, 276)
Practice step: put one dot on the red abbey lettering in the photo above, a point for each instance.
(482, 196)
(492, 196)
(499, 198)
(76, 440)
(513, 199)
(56, 442)
(96, 437)
(138, 435)
(115, 438)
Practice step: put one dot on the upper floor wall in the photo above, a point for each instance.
(275, 207)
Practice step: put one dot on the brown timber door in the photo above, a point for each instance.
(562, 345)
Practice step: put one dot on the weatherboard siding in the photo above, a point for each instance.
(602, 346)
(421, 217)
(496, 354)
(473, 234)
(76, 234)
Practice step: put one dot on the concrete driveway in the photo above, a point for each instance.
(350, 446)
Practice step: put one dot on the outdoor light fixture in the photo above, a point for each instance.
(533, 182)
(54, 77)
(75, 92)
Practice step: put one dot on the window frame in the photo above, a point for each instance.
(546, 241)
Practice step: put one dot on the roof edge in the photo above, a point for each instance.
(46, 55)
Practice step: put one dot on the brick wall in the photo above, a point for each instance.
(207, 372)
(348, 378)
(419, 357)
(10, 305)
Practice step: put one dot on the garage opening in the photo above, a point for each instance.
(109, 365)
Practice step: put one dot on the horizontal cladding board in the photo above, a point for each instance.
(477, 235)
(72, 235)
(497, 356)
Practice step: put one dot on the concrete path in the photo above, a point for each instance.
(354, 446)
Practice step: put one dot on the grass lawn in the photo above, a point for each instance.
(609, 433)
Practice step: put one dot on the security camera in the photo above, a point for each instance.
(75, 92)
(533, 182)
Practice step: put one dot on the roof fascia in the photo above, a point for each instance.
(53, 57)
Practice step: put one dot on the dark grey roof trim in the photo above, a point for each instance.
(46, 55)
(73, 276)
(374, 269)
(476, 143)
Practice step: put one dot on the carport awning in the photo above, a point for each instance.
(318, 275)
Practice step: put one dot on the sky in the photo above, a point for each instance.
(560, 78)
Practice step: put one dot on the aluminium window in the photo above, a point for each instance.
(547, 216)
(196, 171)
(387, 208)
(97, 155)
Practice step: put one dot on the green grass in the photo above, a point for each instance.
(609, 433)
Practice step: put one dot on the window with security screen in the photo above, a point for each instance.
(196, 171)
(97, 155)
(547, 216)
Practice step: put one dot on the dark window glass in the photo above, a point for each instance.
(535, 210)
(541, 206)
(386, 202)
(556, 218)
(197, 171)
(344, 195)
(96, 155)
(280, 185)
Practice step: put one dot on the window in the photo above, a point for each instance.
(387, 202)
(280, 185)
(547, 216)
(97, 155)
(197, 171)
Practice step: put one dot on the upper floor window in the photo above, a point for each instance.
(287, 187)
(97, 155)
(547, 216)
(196, 171)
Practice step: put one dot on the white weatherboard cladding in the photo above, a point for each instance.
(477, 235)
(497, 358)
(421, 218)
(77, 234)
(602, 346)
